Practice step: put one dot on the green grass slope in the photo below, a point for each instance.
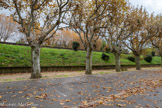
(14, 55)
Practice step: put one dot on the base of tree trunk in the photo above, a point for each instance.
(118, 70)
(89, 61)
(35, 76)
(138, 64)
(88, 73)
(138, 68)
(161, 61)
(117, 62)
(36, 70)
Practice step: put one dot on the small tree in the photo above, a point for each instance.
(75, 45)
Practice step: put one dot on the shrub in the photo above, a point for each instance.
(131, 58)
(105, 57)
(153, 53)
(75, 45)
(148, 58)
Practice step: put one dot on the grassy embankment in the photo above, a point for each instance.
(14, 55)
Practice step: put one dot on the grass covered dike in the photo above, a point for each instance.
(16, 55)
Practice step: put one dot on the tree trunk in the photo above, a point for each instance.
(161, 61)
(138, 64)
(35, 53)
(89, 61)
(117, 62)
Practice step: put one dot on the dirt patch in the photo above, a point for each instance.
(60, 74)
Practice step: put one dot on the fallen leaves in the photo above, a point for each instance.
(42, 96)
(137, 87)
(13, 96)
(54, 99)
(62, 102)
(84, 102)
(20, 92)
(100, 102)
(121, 105)
(29, 103)
(67, 100)
(160, 80)
(114, 93)
(66, 107)
(29, 95)
(148, 105)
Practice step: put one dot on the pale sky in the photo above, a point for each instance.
(150, 5)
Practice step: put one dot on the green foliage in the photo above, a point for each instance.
(148, 58)
(75, 45)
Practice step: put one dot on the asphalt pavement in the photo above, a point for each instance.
(138, 89)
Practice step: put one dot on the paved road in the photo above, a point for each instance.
(125, 89)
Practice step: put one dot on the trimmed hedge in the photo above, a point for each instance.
(105, 57)
(148, 58)
(130, 58)
(75, 45)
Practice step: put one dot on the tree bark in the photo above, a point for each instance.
(138, 64)
(89, 61)
(35, 54)
(117, 62)
(161, 61)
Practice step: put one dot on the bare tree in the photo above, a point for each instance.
(141, 25)
(157, 40)
(8, 28)
(116, 31)
(39, 20)
(86, 21)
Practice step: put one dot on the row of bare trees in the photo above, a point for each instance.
(115, 20)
